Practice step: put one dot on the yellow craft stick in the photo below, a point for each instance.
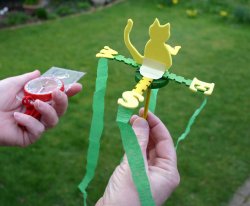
(145, 114)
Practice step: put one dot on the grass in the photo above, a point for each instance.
(213, 161)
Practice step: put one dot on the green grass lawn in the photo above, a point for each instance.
(215, 158)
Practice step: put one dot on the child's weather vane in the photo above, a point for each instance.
(151, 74)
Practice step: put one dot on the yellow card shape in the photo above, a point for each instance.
(142, 85)
(156, 47)
(130, 99)
(205, 87)
(107, 52)
(156, 50)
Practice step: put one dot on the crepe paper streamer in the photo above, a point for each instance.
(134, 156)
(205, 87)
(153, 100)
(96, 126)
(191, 122)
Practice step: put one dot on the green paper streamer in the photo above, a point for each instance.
(135, 157)
(191, 122)
(153, 99)
(96, 126)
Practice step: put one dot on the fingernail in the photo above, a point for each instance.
(36, 71)
(140, 123)
(58, 93)
(17, 115)
(38, 104)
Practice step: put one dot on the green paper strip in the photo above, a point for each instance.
(191, 122)
(135, 157)
(96, 126)
(153, 99)
(178, 79)
(128, 61)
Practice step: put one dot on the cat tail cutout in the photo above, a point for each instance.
(133, 51)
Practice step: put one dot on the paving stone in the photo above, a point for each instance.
(237, 200)
(242, 195)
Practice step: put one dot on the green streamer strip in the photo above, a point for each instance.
(96, 126)
(135, 157)
(153, 99)
(191, 122)
(178, 79)
(128, 61)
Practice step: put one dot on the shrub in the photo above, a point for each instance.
(31, 2)
(41, 13)
(83, 5)
(64, 10)
(16, 18)
(242, 14)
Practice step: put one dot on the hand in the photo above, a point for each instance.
(11, 116)
(161, 166)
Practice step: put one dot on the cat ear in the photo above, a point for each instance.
(167, 25)
(156, 22)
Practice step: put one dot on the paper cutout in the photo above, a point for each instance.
(156, 49)
(107, 53)
(205, 87)
(130, 99)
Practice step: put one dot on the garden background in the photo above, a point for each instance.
(215, 158)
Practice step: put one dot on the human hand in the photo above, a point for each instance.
(161, 166)
(11, 116)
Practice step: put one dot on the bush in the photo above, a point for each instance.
(64, 10)
(31, 2)
(16, 18)
(242, 14)
(41, 13)
(83, 5)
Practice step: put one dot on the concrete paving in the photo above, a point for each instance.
(242, 195)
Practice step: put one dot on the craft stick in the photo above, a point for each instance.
(145, 114)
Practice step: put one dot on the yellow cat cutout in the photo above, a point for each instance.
(156, 61)
(156, 50)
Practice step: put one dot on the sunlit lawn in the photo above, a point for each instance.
(215, 158)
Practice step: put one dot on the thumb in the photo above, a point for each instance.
(21, 80)
(141, 129)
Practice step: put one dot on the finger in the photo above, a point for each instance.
(60, 100)
(21, 80)
(133, 118)
(164, 146)
(141, 129)
(48, 114)
(74, 89)
(33, 126)
(100, 202)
